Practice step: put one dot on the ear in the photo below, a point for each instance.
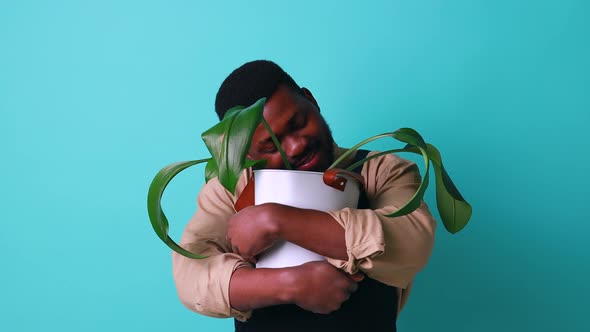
(310, 97)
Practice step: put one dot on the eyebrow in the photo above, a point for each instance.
(292, 121)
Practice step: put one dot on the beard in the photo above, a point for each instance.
(326, 149)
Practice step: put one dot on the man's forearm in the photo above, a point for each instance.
(315, 286)
(252, 288)
(312, 229)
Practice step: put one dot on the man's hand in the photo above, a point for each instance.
(256, 228)
(321, 288)
(316, 286)
(253, 230)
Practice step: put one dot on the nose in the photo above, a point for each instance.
(294, 147)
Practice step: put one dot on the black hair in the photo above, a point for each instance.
(250, 82)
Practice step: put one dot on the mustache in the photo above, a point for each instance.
(312, 147)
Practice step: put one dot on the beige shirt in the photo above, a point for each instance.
(390, 250)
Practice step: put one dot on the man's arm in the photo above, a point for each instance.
(351, 239)
(203, 284)
(225, 285)
(315, 286)
(391, 250)
(256, 228)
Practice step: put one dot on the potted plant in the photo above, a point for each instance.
(229, 140)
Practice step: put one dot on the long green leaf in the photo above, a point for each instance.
(155, 212)
(211, 170)
(373, 156)
(275, 140)
(256, 164)
(411, 137)
(454, 210)
(229, 141)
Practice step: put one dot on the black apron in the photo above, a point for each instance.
(373, 307)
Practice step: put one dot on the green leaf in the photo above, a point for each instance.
(155, 212)
(256, 164)
(229, 141)
(211, 170)
(454, 211)
(412, 137)
(275, 140)
(373, 156)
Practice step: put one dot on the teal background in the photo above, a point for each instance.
(97, 96)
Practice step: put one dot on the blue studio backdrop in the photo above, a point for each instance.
(97, 96)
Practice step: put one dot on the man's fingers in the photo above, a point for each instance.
(251, 259)
(357, 277)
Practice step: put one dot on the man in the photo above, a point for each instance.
(371, 260)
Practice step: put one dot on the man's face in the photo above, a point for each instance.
(304, 135)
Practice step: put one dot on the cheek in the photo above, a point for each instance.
(318, 124)
(321, 130)
(275, 162)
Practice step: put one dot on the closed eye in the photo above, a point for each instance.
(268, 148)
(298, 121)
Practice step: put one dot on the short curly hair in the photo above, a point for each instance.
(250, 82)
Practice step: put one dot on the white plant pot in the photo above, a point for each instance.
(301, 189)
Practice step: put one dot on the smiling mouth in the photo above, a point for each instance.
(308, 162)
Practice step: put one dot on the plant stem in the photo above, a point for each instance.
(360, 162)
(354, 148)
(277, 144)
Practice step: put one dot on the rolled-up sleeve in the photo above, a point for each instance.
(203, 284)
(391, 250)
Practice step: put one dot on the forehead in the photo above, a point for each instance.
(283, 103)
(281, 108)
